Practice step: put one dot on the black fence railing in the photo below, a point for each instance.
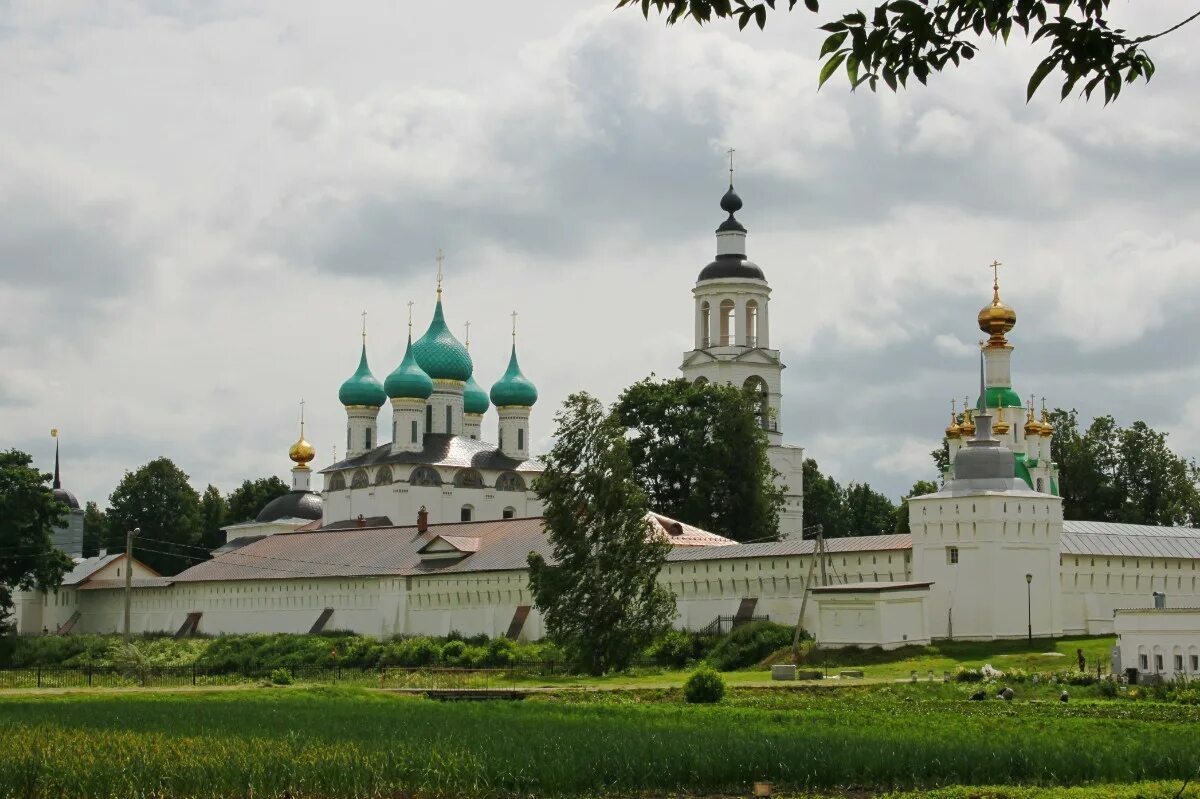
(723, 625)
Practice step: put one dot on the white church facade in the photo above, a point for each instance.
(424, 529)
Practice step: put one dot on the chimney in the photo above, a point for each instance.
(1160, 600)
(362, 521)
(422, 520)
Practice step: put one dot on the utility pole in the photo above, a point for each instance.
(1029, 604)
(129, 574)
(818, 552)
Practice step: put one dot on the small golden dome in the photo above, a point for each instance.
(953, 430)
(1047, 428)
(968, 424)
(1001, 426)
(302, 452)
(1032, 427)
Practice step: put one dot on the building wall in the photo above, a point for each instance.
(1094, 586)
(1164, 642)
(884, 619)
(37, 612)
(998, 538)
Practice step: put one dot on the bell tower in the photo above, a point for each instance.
(733, 346)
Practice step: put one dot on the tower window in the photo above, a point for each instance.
(466, 513)
(726, 321)
(449, 411)
(367, 438)
(520, 439)
(951, 556)
(349, 441)
(508, 513)
(414, 431)
(429, 418)
(705, 325)
(751, 323)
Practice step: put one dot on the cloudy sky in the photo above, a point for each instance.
(198, 201)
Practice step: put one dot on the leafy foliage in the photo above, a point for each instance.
(28, 514)
(705, 687)
(1115, 474)
(856, 509)
(700, 454)
(749, 644)
(920, 488)
(245, 501)
(915, 38)
(214, 509)
(600, 599)
(158, 499)
(95, 529)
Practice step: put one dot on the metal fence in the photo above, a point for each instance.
(418, 678)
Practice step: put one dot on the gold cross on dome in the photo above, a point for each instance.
(410, 306)
(514, 318)
(302, 418)
(995, 267)
(441, 257)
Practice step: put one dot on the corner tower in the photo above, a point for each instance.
(733, 346)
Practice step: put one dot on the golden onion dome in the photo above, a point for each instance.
(996, 318)
(1032, 426)
(302, 452)
(968, 424)
(953, 430)
(1047, 428)
(1001, 426)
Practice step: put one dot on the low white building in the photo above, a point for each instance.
(1159, 641)
(886, 615)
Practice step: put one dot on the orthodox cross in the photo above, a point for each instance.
(410, 305)
(440, 258)
(731, 151)
(514, 318)
(995, 267)
(302, 418)
(468, 341)
(364, 318)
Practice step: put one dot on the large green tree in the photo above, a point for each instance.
(95, 529)
(28, 515)
(823, 502)
(867, 512)
(700, 454)
(158, 499)
(213, 512)
(898, 39)
(599, 595)
(245, 501)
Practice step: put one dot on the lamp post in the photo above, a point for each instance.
(129, 536)
(1029, 604)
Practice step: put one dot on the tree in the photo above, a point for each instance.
(866, 511)
(916, 38)
(823, 502)
(213, 511)
(28, 514)
(245, 502)
(95, 529)
(158, 499)
(600, 596)
(700, 454)
(920, 488)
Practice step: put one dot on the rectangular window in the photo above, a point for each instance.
(449, 428)
(520, 438)
(509, 513)
(429, 418)
(1143, 662)
(1179, 663)
(1158, 663)
(466, 513)
(951, 556)
(414, 431)
(1195, 662)
(367, 437)
(349, 442)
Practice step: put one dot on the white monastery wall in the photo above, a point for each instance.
(1094, 586)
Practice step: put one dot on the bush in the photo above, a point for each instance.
(676, 649)
(705, 686)
(962, 674)
(1185, 694)
(500, 653)
(1107, 689)
(452, 651)
(281, 677)
(749, 644)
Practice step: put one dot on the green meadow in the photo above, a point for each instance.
(348, 742)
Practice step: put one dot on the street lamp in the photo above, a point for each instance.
(1029, 604)
(129, 536)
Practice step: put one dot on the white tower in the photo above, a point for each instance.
(409, 388)
(362, 396)
(732, 345)
(514, 396)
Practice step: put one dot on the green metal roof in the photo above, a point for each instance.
(1021, 470)
(362, 388)
(475, 399)
(409, 380)
(514, 388)
(439, 353)
(1001, 394)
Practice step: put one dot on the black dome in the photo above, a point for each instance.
(67, 498)
(731, 266)
(292, 505)
(731, 203)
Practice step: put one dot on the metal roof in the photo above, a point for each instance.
(872, 587)
(138, 582)
(793, 547)
(85, 568)
(1114, 539)
(442, 449)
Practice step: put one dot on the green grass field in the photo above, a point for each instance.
(342, 742)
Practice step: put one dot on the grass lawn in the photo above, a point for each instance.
(354, 742)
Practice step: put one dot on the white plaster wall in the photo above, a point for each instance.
(400, 501)
(788, 462)
(360, 419)
(1173, 635)
(1093, 587)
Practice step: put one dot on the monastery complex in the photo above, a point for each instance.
(424, 527)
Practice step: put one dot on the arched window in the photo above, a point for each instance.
(467, 513)
(510, 481)
(468, 478)
(508, 513)
(360, 479)
(700, 381)
(1039, 485)
(384, 476)
(751, 323)
(758, 386)
(424, 476)
(726, 318)
(337, 482)
(705, 325)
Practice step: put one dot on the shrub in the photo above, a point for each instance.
(748, 644)
(675, 649)
(501, 652)
(453, 650)
(705, 686)
(1107, 689)
(1185, 694)
(962, 674)
(418, 652)
(281, 677)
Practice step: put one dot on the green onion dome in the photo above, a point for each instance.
(362, 388)
(475, 399)
(439, 353)
(409, 380)
(514, 388)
